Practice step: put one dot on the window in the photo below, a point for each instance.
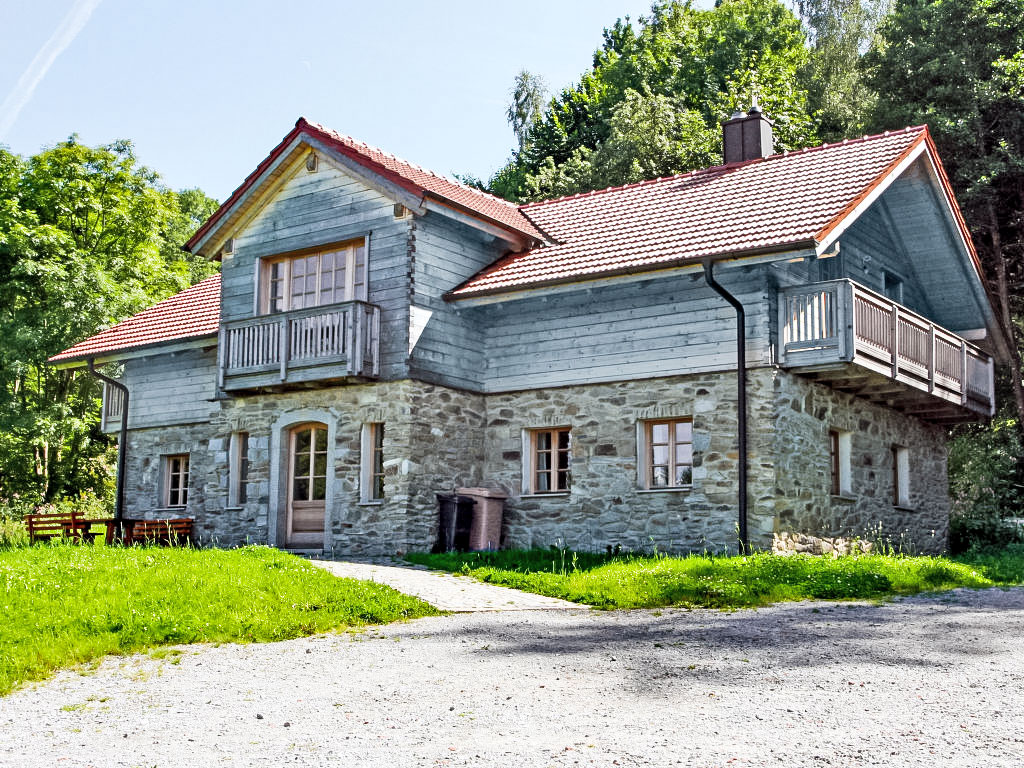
(372, 484)
(892, 286)
(238, 469)
(900, 476)
(667, 453)
(548, 469)
(839, 461)
(176, 480)
(327, 276)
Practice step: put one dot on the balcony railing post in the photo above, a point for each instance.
(895, 324)
(963, 372)
(350, 340)
(931, 357)
(282, 347)
(222, 344)
(360, 329)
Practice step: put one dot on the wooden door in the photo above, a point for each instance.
(307, 485)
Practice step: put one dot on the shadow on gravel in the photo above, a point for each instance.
(935, 631)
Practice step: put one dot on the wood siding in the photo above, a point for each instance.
(174, 388)
(671, 324)
(313, 209)
(449, 341)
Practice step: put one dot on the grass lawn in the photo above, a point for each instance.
(64, 604)
(629, 581)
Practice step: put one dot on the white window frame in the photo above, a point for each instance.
(901, 476)
(844, 486)
(179, 494)
(645, 457)
(354, 290)
(371, 465)
(530, 461)
(238, 468)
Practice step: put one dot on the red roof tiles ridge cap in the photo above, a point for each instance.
(710, 169)
(371, 148)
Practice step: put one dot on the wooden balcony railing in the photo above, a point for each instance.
(304, 345)
(842, 322)
(113, 404)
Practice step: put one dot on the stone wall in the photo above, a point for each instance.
(805, 412)
(606, 505)
(437, 439)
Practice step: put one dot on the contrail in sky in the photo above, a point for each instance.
(62, 37)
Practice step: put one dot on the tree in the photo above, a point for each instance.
(528, 97)
(957, 66)
(87, 237)
(699, 63)
(840, 31)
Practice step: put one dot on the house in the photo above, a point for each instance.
(379, 334)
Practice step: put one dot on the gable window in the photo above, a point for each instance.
(175, 481)
(372, 483)
(892, 286)
(327, 276)
(900, 476)
(548, 468)
(839, 461)
(668, 453)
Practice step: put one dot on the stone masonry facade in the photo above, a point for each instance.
(437, 439)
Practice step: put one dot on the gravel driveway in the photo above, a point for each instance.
(927, 681)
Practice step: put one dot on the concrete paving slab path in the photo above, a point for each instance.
(446, 591)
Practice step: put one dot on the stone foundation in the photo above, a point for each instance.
(437, 439)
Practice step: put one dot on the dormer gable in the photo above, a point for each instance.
(406, 184)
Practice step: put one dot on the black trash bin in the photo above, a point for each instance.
(456, 520)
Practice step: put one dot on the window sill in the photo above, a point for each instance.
(844, 496)
(559, 495)
(370, 503)
(674, 489)
(904, 508)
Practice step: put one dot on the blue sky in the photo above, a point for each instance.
(206, 89)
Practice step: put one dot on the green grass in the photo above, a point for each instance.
(629, 581)
(1004, 565)
(64, 604)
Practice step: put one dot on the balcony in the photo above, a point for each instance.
(326, 344)
(860, 342)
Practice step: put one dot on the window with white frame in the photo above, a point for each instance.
(839, 462)
(667, 453)
(547, 467)
(176, 480)
(311, 279)
(372, 464)
(900, 476)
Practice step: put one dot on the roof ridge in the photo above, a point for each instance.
(713, 168)
(344, 137)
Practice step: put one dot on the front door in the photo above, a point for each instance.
(307, 485)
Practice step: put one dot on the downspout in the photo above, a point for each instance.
(741, 397)
(122, 445)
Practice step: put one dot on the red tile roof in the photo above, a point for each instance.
(782, 201)
(193, 313)
(787, 200)
(409, 176)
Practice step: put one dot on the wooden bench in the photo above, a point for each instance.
(168, 532)
(45, 526)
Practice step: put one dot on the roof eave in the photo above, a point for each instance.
(805, 247)
(127, 353)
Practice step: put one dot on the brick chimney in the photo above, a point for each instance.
(747, 136)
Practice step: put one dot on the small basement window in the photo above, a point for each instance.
(175, 481)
